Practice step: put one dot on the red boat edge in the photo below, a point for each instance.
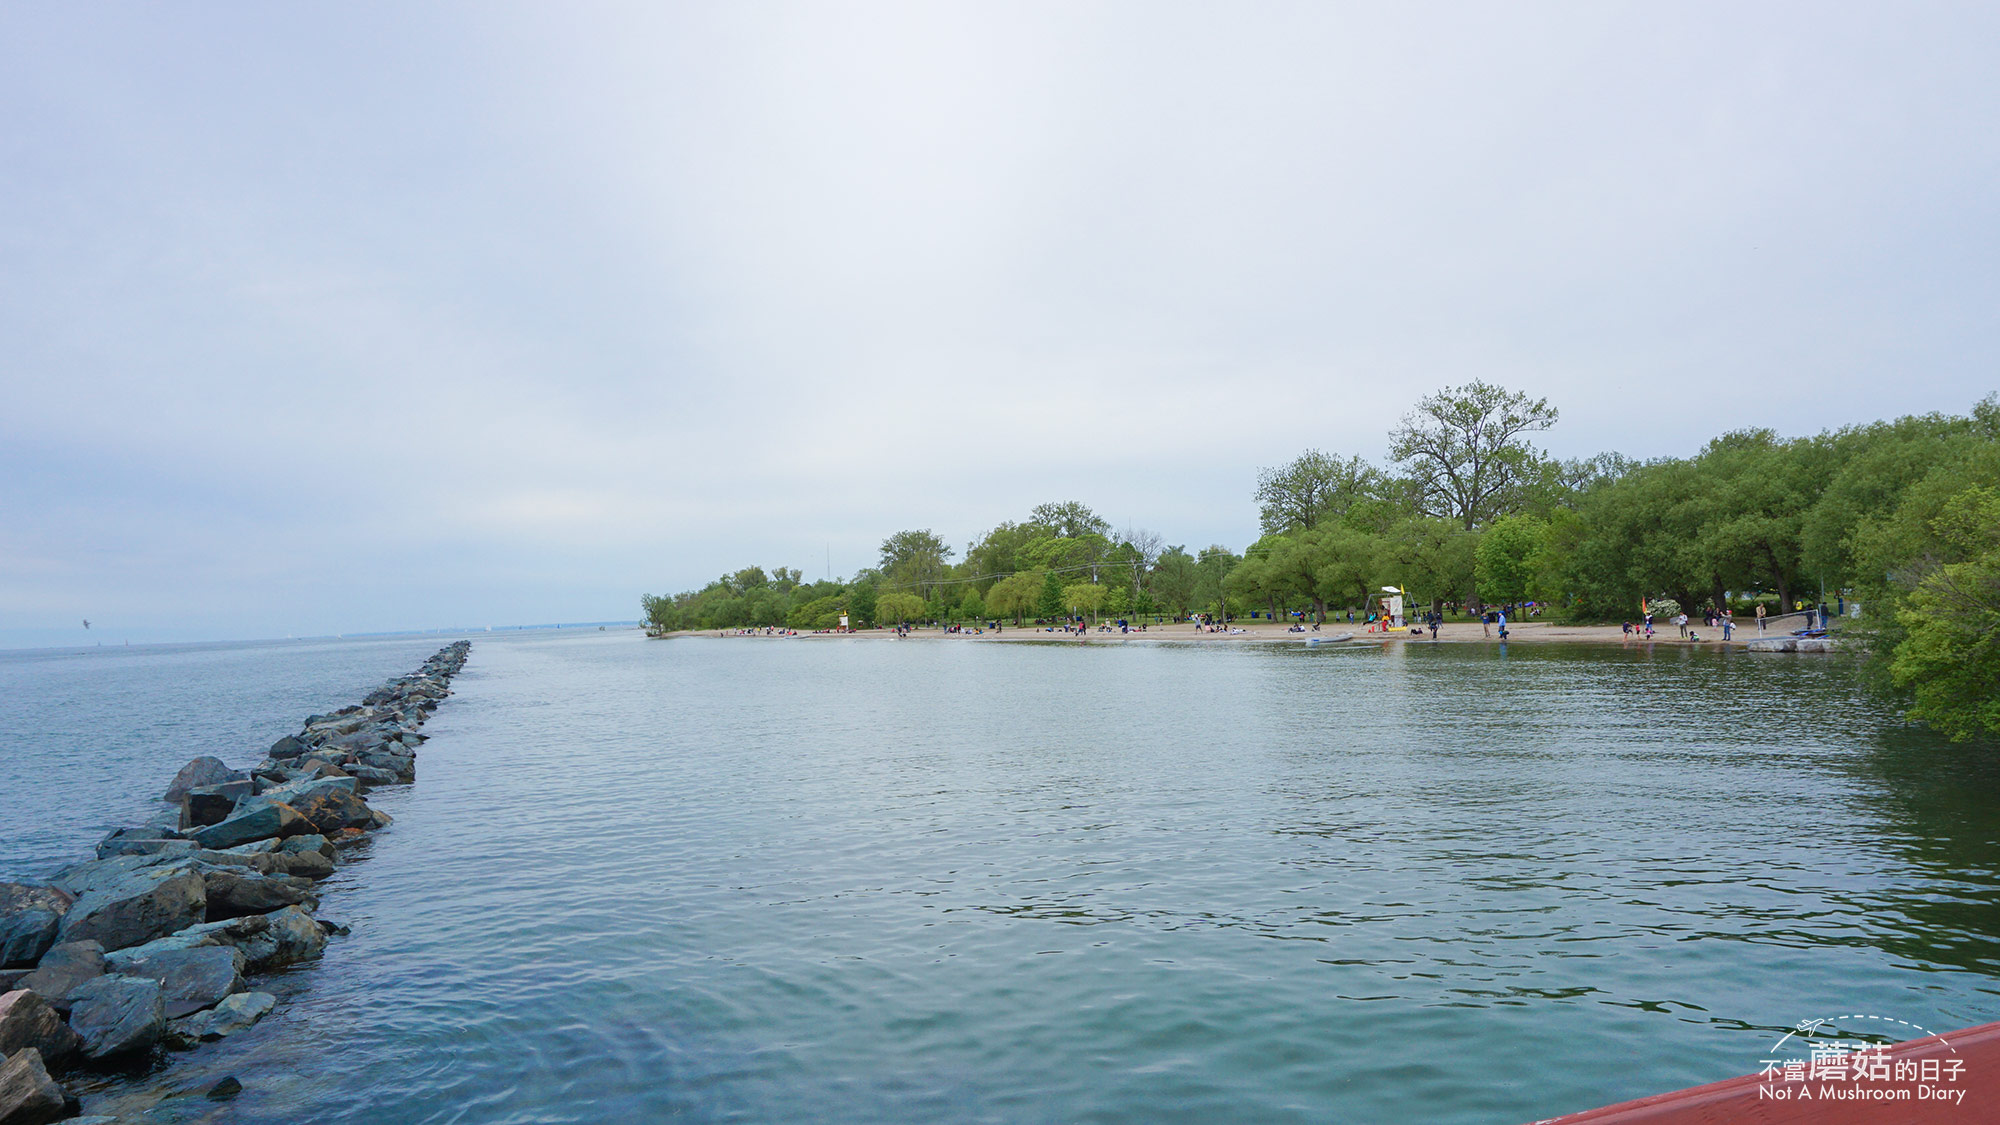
(1949, 1077)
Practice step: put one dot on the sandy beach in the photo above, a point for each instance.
(1268, 632)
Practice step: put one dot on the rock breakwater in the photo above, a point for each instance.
(154, 944)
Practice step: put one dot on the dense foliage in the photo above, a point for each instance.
(1902, 517)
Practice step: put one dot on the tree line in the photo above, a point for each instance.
(1901, 516)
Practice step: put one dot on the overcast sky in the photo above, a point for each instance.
(337, 318)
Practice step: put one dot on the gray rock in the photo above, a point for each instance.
(268, 941)
(189, 979)
(227, 1018)
(63, 969)
(287, 747)
(329, 803)
(27, 1020)
(212, 804)
(170, 816)
(256, 818)
(313, 843)
(79, 879)
(30, 917)
(118, 1015)
(28, 1096)
(138, 907)
(233, 892)
(10, 978)
(202, 771)
(261, 847)
(291, 937)
(304, 865)
(235, 932)
(159, 847)
(371, 775)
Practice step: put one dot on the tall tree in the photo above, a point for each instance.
(915, 559)
(1314, 487)
(1071, 519)
(1464, 449)
(1172, 581)
(1016, 595)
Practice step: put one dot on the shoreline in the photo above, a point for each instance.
(1262, 632)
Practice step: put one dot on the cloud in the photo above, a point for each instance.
(571, 303)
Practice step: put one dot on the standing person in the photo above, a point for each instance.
(1760, 619)
(1503, 624)
(1681, 623)
(1727, 625)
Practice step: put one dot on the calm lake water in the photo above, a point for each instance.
(843, 880)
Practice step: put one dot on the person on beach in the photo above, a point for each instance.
(1435, 618)
(1625, 628)
(1760, 619)
(1485, 624)
(1727, 625)
(1503, 624)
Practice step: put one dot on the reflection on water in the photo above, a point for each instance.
(851, 880)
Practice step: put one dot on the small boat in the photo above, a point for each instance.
(1329, 640)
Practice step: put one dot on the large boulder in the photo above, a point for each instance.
(234, 933)
(118, 1016)
(189, 979)
(227, 1018)
(268, 941)
(288, 747)
(137, 907)
(198, 773)
(291, 937)
(27, 1020)
(30, 917)
(28, 1096)
(329, 803)
(79, 879)
(233, 891)
(212, 804)
(62, 970)
(150, 840)
(255, 818)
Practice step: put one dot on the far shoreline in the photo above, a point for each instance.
(1273, 632)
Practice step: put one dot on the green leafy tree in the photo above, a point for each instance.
(1315, 487)
(1117, 601)
(1349, 560)
(1949, 657)
(1211, 573)
(1172, 581)
(973, 608)
(1051, 602)
(861, 606)
(1083, 597)
(898, 607)
(1465, 451)
(1071, 519)
(1506, 559)
(915, 559)
(1016, 595)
